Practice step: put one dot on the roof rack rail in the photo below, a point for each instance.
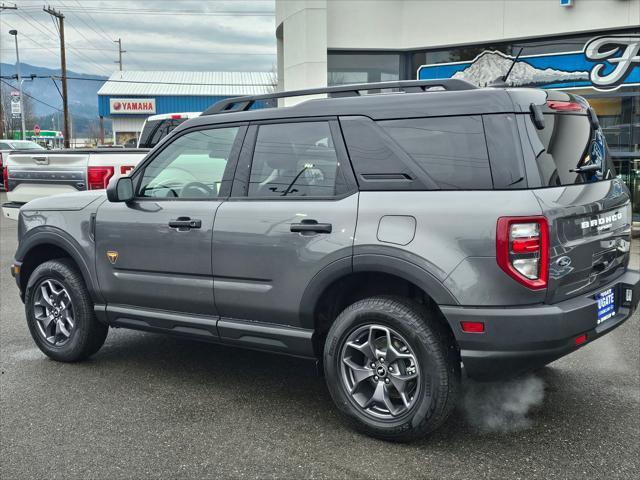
(241, 104)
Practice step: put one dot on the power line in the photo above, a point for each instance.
(90, 42)
(89, 79)
(52, 35)
(164, 52)
(31, 96)
(127, 11)
(79, 32)
(105, 35)
(47, 34)
(27, 37)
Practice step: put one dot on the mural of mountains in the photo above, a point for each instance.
(490, 65)
(83, 94)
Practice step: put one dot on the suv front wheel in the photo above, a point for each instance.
(391, 368)
(60, 313)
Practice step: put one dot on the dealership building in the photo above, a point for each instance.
(591, 47)
(129, 97)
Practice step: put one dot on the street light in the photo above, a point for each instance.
(15, 34)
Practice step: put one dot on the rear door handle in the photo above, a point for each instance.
(311, 226)
(185, 223)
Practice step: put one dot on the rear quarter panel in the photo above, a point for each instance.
(453, 241)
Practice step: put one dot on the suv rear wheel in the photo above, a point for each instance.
(391, 368)
(60, 313)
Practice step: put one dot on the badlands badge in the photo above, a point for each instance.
(112, 256)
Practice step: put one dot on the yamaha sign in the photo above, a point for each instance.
(128, 106)
(605, 63)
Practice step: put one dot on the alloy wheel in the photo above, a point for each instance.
(380, 371)
(53, 311)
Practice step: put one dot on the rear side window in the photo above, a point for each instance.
(451, 150)
(295, 160)
(565, 143)
(156, 130)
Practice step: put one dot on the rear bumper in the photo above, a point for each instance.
(521, 339)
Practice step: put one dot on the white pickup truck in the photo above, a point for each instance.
(39, 173)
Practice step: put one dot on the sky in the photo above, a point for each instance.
(182, 35)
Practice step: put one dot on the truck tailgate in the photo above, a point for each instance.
(40, 174)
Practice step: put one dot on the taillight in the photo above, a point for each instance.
(98, 177)
(522, 249)
(5, 177)
(176, 116)
(125, 169)
(562, 106)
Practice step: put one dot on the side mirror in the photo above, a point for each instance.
(120, 191)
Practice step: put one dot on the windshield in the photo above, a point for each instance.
(26, 145)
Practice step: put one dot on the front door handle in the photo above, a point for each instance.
(310, 226)
(185, 223)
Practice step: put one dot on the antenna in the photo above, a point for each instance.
(513, 64)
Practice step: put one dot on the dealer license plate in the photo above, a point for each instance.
(606, 305)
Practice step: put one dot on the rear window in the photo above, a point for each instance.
(566, 143)
(26, 145)
(156, 130)
(452, 151)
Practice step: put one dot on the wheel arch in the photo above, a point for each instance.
(47, 243)
(350, 279)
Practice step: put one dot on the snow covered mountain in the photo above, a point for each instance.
(490, 65)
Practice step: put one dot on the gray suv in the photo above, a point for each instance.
(397, 238)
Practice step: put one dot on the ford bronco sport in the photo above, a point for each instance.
(396, 237)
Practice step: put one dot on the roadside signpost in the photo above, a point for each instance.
(16, 111)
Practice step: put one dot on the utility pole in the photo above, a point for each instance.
(1, 118)
(120, 52)
(15, 34)
(4, 7)
(63, 66)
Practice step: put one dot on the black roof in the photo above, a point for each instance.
(415, 99)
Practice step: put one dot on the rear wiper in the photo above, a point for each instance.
(586, 168)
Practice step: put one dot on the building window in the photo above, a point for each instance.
(345, 68)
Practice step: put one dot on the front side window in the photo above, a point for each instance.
(191, 167)
(451, 150)
(294, 160)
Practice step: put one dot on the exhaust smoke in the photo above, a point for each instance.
(502, 406)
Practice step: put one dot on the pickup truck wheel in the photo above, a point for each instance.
(391, 368)
(60, 313)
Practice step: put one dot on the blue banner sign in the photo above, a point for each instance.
(605, 63)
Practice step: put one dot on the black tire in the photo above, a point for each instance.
(88, 334)
(434, 350)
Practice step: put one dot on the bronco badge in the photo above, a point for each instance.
(112, 256)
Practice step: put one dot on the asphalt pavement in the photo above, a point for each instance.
(153, 406)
